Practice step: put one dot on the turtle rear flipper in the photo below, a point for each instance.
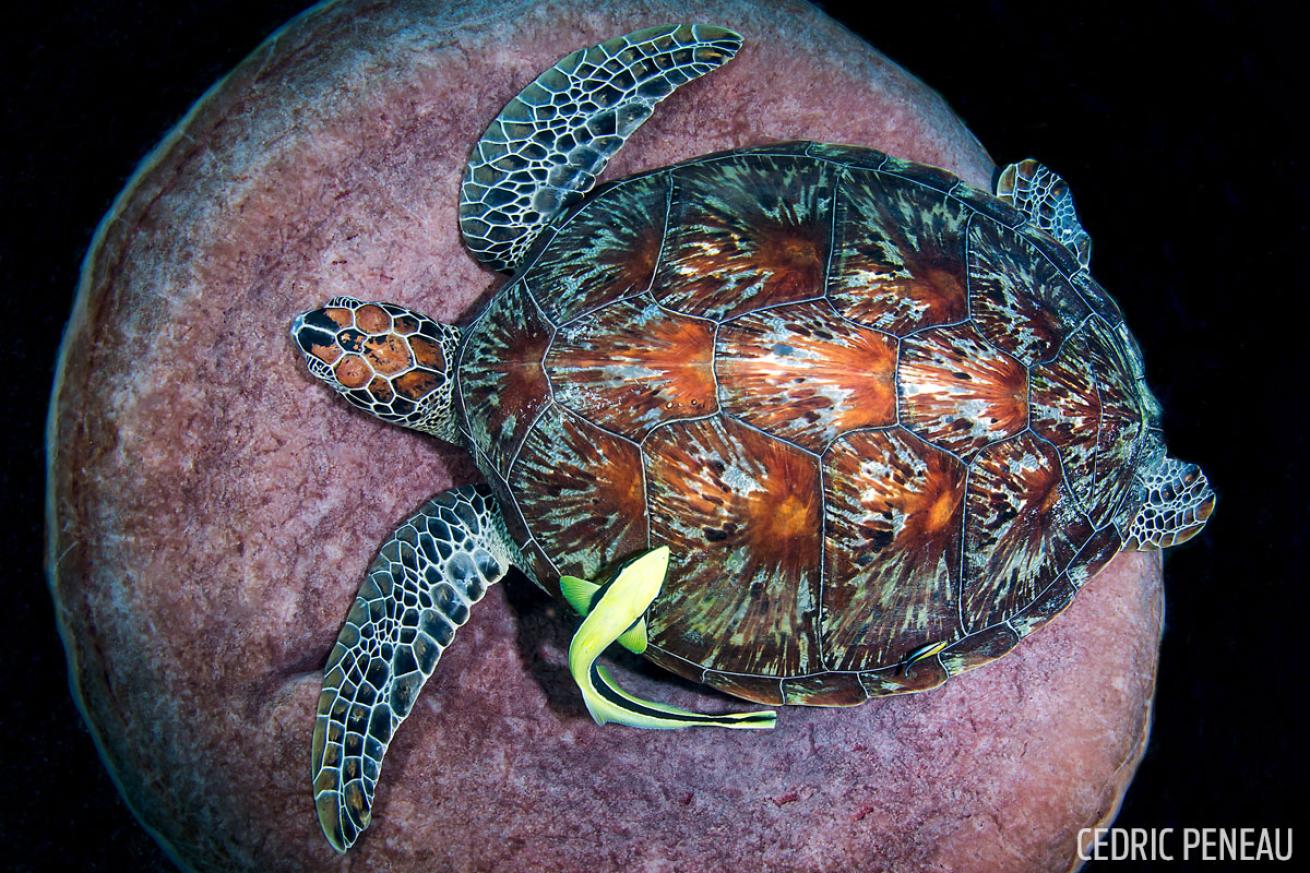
(1044, 196)
(548, 145)
(417, 592)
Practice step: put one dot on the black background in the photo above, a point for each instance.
(1180, 128)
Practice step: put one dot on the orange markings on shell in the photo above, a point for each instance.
(406, 325)
(1066, 409)
(894, 510)
(725, 496)
(1022, 529)
(794, 257)
(633, 365)
(604, 252)
(503, 385)
(941, 512)
(764, 497)
(372, 319)
(637, 267)
(898, 260)
(1019, 300)
(749, 231)
(804, 373)
(389, 354)
(581, 491)
(838, 450)
(352, 371)
(958, 391)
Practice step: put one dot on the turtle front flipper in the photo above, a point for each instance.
(548, 145)
(417, 592)
(614, 613)
(1044, 197)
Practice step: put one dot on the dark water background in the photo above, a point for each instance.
(1182, 130)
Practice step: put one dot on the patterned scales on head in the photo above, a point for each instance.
(870, 409)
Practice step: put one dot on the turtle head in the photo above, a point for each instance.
(1179, 501)
(389, 361)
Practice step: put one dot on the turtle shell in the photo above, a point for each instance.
(869, 408)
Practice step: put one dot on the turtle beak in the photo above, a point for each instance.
(1206, 509)
(1198, 486)
(315, 334)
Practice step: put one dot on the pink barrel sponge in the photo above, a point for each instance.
(212, 510)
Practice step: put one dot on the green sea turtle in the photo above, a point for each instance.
(807, 423)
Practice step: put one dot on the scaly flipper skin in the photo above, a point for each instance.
(417, 592)
(1179, 501)
(548, 145)
(1044, 197)
(615, 613)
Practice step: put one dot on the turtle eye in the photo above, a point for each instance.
(315, 341)
(316, 320)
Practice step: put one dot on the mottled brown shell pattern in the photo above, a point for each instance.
(869, 409)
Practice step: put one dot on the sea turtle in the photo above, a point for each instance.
(807, 423)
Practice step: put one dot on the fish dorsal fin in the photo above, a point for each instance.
(582, 596)
(579, 593)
